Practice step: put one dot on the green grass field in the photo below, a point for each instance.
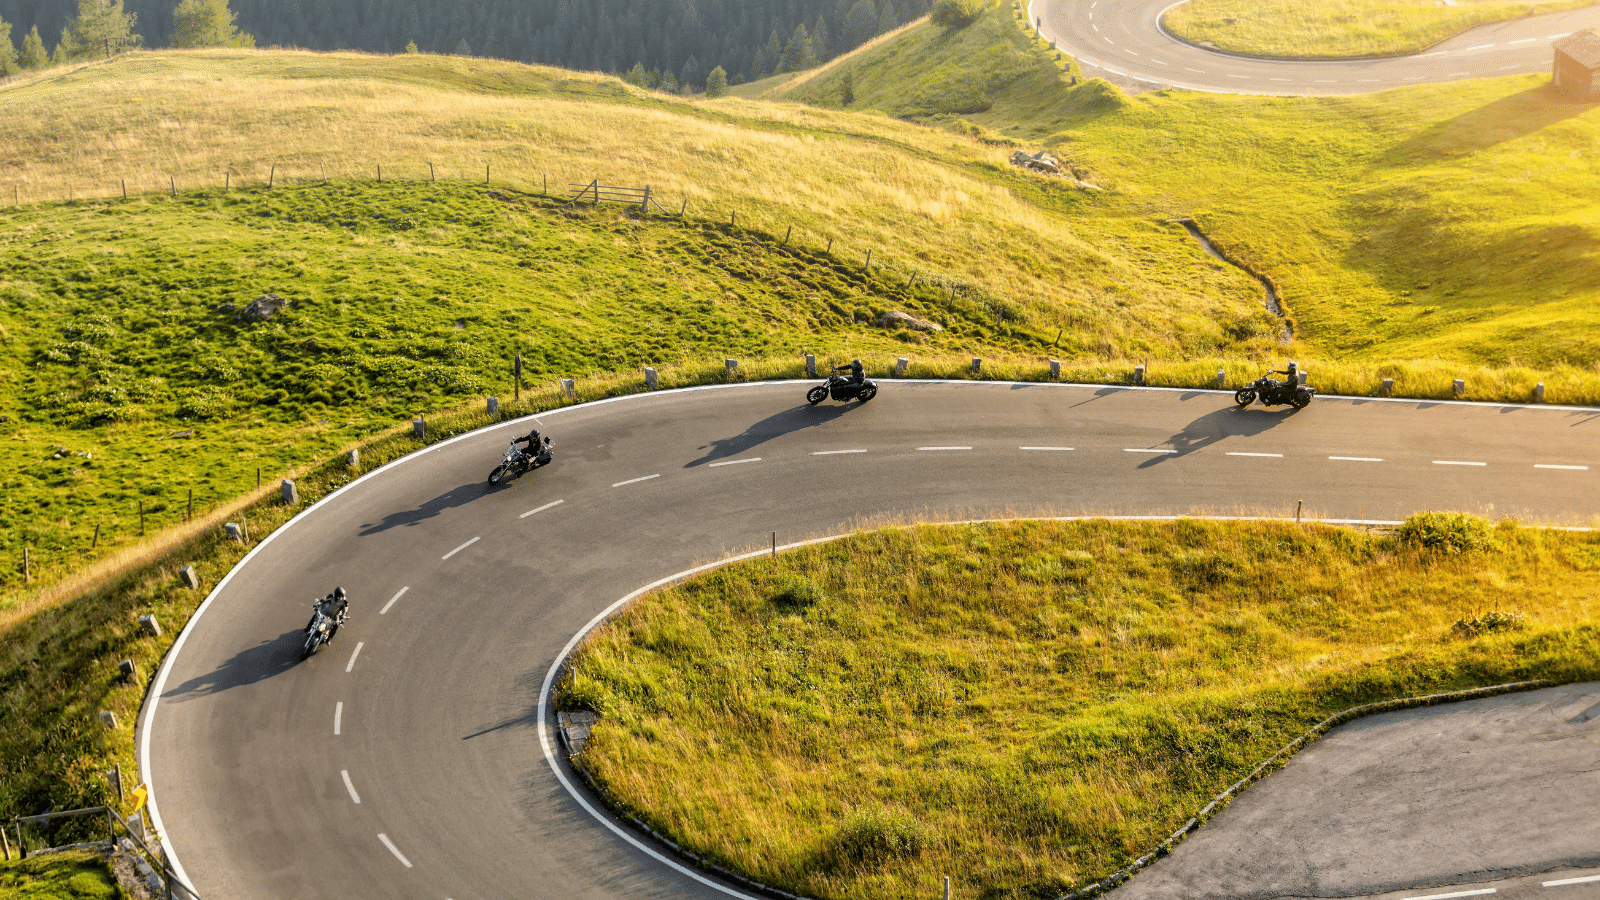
(71, 875)
(1027, 707)
(1330, 29)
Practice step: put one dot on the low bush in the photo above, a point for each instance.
(1449, 532)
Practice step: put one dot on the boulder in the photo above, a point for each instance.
(262, 308)
(896, 318)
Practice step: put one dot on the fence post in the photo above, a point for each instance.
(516, 378)
(174, 180)
(380, 173)
(124, 196)
(5, 843)
(141, 505)
(118, 770)
(96, 542)
(27, 563)
(431, 177)
(324, 167)
(868, 264)
(733, 219)
(485, 173)
(190, 514)
(683, 207)
(830, 246)
(272, 177)
(644, 204)
(786, 235)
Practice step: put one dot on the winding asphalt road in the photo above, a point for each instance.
(1123, 41)
(409, 759)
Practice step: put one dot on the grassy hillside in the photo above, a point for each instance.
(1029, 706)
(1340, 28)
(1456, 221)
(129, 377)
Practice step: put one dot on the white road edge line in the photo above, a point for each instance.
(1561, 881)
(350, 787)
(352, 663)
(1143, 450)
(541, 509)
(395, 850)
(636, 480)
(734, 462)
(1574, 468)
(458, 550)
(944, 448)
(1477, 893)
(1044, 448)
(1241, 453)
(1457, 462)
(833, 452)
(393, 599)
(338, 713)
(1358, 458)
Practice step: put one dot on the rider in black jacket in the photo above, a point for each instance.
(333, 606)
(532, 442)
(858, 373)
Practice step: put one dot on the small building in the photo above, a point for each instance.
(1577, 65)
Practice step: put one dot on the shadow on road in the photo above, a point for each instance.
(451, 499)
(778, 425)
(258, 663)
(1234, 421)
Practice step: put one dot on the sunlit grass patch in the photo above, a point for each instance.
(1029, 706)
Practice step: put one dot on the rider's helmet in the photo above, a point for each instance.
(338, 593)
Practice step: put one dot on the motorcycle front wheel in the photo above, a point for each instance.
(816, 395)
(498, 475)
(867, 393)
(1244, 396)
(309, 648)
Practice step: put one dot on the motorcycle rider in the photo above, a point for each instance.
(335, 607)
(532, 441)
(858, 375)
(1293, 381)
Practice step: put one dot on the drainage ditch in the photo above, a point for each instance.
(1271, 301)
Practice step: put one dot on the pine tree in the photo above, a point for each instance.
(8, 51)
(774, 50)
(637, 76)
(862, 23)
(888, 20)
(669, 83)
(33, 54)
(847, 88)
(463, 48)
(100, 27)
(760, 66)
(798, 56)
(207, 23)
(819, 38)
(411, 46)
(691, 72)
(717, 83)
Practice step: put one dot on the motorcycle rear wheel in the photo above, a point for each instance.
(816, 395)
(1244, 396)
(498, 475)
(867, 393)
(1300, 402)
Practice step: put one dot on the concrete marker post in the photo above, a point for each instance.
(190, 577)
(150, 626)
(109, 720)
(811, 365)
(730, 368)
(1386, 388)
(291, 494)
(1138, 375)
(353, 459)
(1055, 370)
(569, 389)
(1538, 392)
(977, 365)
(492, 407)
(900, 367)
(650, 380)
(233, 531)
(1222, 378)
(1458, 387)
(419, 428)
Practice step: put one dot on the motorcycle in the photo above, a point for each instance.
(841, 387)
(518, 461)
(320, 631)
(1272, 392)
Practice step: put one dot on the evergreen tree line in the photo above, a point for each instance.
(658, 43)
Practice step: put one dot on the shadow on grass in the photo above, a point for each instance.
(773, 426)
(258, 663)
(1232, 421)
(451, 499)
(1506, 119)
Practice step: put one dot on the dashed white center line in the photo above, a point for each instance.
(338, 713)
(1044, 448)
(1161, 61)
(1144, 450)
(1278, 79)
(1245, 77)
(393, 599)
(1572, 468)
(1509, 68)
(458, 550)
(1094, 26)
(944, 448)
(1325, 81)
(1526, 41)
(1458, 75)
(1109, 40)
(1479, 47)
(395, 850)
(1457, 462)
(1564, 881)
(734, 462)
(1187, 69)
(1240, 453)
(1126, 50)
(834, 452)
(350, 787)
(1434, 53)
(541, 509)
(1358, 458)
(357, 652)
(636, 480)
(1477, 893)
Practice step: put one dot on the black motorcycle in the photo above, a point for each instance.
(518, 460)
(320, 631)
(1272, 392)
(842, 387)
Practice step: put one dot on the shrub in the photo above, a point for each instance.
(956, 13)
(796, 592)
(1493, 620)
(870, 837)
(1447, 531)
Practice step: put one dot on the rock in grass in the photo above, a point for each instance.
(898, 318)
(262, 308)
